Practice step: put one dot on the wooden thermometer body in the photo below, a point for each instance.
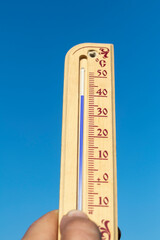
(88, 155)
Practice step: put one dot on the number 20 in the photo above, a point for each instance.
(103, 132)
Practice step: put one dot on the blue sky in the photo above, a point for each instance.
(34, 38)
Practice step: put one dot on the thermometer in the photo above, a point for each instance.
(88, 153)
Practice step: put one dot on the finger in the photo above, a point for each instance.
(77, 226)
(45, 228)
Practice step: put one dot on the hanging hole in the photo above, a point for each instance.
(92, 53)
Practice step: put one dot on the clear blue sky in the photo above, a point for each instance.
(34, 38)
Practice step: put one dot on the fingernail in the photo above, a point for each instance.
(71, 215)
(76, 213)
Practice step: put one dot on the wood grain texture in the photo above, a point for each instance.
(99, 199)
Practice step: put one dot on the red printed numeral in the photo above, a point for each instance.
(102, 73)
(102, 92)
(103, 132)
(102, 111)
(104, 201)
(103, 154)
(105, 177)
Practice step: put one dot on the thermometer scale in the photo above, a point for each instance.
(88, 155)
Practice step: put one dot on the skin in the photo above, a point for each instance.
(74, 226)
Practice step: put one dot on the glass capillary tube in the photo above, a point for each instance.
(82, 73)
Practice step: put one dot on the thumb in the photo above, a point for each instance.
(77, 226)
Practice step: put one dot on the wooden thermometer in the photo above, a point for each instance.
(88, 156)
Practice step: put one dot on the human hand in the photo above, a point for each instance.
(75, 225)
